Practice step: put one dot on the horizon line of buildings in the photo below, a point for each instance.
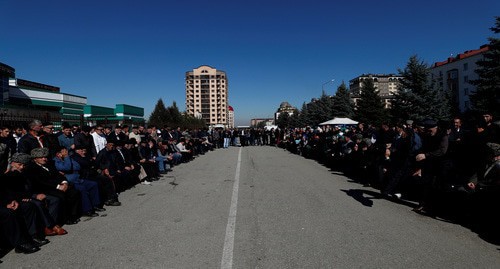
(453, 75)
(24, 100)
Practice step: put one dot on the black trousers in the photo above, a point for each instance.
(13, 229)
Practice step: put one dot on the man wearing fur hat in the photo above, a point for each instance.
(44, 178)
(19, 202)
(16, 183)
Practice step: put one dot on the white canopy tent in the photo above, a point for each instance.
(339, 121)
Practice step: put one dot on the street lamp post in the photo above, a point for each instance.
(323, 86)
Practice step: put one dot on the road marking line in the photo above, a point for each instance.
(227, 254)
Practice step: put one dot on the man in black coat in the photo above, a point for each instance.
(31, 140)
(44, 178)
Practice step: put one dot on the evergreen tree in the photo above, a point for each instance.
(157, 117)
(295, 119)
(304, 116)
(487, 95)
(343, 106)
(283, 120)
(320, 110)
(370, 108)
(175, 116)
(416, 99)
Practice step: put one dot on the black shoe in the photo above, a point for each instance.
(40, 241)
(90, 214)
(99, 209)
(72, 222)
(27, 248)
(112, 203)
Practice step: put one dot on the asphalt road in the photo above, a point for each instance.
(259, 207)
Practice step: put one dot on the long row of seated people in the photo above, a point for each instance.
(451, 171)
(53, 179)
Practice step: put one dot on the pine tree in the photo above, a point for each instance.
(304, 119)
(174, 114)
(416, 99)
(157, 117)
(295, 119)
(370, 108)
(283, 120)
(343, 106)
(487, 95)
(320, 109)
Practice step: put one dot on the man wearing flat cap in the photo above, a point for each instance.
(433, 164)
(45, 178)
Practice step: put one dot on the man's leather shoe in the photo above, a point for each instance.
(71, 222)
(91, 214)
(40, 241)
(50, 232)
(59, 230)
(112, 203)
(99, 209)
(27, 248)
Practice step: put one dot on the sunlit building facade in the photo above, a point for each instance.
(207, 95)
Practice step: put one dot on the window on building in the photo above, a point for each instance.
(466, 66)
(197, 86)
(466, 79)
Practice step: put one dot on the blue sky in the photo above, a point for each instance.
(136, 52)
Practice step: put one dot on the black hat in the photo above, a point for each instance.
(86, 128)
(429, 123)
(119, 143)
(79, 147)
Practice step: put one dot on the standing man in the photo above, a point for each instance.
(433, 166)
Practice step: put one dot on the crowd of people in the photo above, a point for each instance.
(449, 170)
(54, 178)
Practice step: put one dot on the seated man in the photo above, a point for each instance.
(44, 178)
(88, 171)
(16, 183)
(13, 230)
(187, 154)
(88, 189)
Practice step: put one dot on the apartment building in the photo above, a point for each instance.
(207, 95)
(454, 75)
(386, 84)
